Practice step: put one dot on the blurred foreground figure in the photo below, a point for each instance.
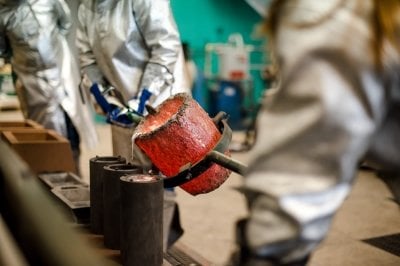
(48, 77)
(338, 101)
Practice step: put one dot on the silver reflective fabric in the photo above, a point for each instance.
(45, 66)
(330, 109)
(11, 2)
(131, 44)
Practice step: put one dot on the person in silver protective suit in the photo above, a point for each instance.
(48, 76)
(133, 46)
(338, 102)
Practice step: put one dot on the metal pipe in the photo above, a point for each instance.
(227, 162)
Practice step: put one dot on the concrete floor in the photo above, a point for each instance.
(208, 220)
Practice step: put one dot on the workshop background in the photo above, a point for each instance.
(218, 32)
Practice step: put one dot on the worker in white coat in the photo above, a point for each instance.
(47, 73)
(338, 103)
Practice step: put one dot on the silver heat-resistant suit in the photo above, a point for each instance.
(333, 106)
(35, 31)
(132, 45)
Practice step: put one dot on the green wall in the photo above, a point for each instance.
(212, 21)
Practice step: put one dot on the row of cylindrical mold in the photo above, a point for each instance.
(127, 208)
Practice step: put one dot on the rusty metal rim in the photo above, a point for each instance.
(173, 119)
(190, 172)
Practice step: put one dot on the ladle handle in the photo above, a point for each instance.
(135, 117)
(227, 162)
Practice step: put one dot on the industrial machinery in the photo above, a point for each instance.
(229, 82)
(228, 70)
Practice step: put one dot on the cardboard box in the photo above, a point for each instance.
(43, 150)
(19, 125)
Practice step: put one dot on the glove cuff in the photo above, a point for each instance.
(143, 99)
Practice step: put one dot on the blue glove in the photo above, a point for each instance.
(113, 112)
(120, 117)
(143, 99)
(100, 99)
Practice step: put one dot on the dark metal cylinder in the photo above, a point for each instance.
(141, 220)
(112, 201)
(96, 165)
